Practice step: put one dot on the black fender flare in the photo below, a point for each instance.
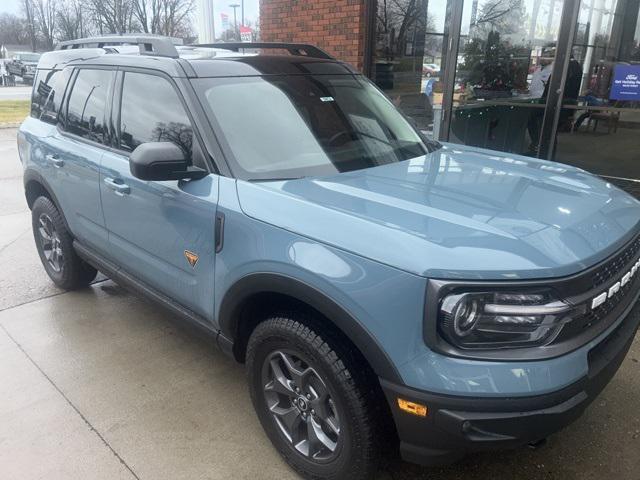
(32, 175)
(263, 282)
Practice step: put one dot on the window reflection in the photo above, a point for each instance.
(301, 125)
(87, 103)
(599, 127)
(151, 111)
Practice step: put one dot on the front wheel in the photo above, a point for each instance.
(312, 402)
(55, 247)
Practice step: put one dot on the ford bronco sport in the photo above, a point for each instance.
(383, 289)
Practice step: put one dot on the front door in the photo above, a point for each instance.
(160, 232)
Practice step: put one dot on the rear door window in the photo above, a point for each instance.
(87, 104)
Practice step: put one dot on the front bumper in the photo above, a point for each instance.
(457, 425)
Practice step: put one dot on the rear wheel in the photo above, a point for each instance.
(311, 400)
(55, 247)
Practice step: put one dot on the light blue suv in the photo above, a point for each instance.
(382, 289)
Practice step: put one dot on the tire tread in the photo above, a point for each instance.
(355, 389)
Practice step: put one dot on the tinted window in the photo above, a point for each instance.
(87, 104)
(151, 111)
(48, 89)
(302, 125)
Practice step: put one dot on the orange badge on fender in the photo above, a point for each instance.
(191, 257)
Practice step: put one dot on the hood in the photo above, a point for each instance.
(459, 212)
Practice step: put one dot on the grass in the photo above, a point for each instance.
(13, 111)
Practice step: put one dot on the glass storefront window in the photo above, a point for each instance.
(410, 48)
(600, 129)
(505, 59)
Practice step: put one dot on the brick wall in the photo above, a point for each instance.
(336, 26)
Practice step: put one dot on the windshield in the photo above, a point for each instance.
(29, 57)
(304, 125)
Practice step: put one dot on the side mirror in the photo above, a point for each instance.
(162, 161)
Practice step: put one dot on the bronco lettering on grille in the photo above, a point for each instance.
(615, 288)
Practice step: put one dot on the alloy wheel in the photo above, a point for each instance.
(50, 242)
(301, 405)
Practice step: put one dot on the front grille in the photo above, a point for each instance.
(615, 265)
(601, 279)
(595, 316)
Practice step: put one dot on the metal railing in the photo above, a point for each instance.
(298, 49)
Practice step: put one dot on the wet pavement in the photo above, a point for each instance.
(101, 384)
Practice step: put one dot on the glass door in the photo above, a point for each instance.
(599, 123)
(506, 57)
(409, 64)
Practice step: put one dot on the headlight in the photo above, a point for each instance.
(502, 319)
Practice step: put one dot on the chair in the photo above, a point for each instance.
(612, 119)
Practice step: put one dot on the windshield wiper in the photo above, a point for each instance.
(273, 179)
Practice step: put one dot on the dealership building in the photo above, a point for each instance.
(554, 79)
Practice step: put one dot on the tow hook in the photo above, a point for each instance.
(537, 444)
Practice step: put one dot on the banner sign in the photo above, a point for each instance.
(626, 83)
(246, 34)
(225, 21)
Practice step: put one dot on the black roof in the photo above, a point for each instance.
(160, 53)
(268, 65)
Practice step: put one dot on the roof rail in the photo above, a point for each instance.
(300, 49)
(153, 45)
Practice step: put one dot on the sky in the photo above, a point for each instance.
(11, 6)
(219, 6)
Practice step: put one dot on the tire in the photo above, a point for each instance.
(55, 248)
(332, 393)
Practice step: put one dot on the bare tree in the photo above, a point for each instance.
(27, 6)
(72, 20)
(112, 16)
(164, 17)
(45, 20)
(397, 18)
(13, 29)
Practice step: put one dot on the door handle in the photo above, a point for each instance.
(119, 188)
(57, 161)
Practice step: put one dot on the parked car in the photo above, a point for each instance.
(23, 64)
(384, 290)
(430, 69)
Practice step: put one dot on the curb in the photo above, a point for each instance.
(9, 125)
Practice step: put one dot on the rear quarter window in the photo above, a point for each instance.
(46, 97)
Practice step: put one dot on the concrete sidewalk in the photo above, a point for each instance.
(20, 92)
(99, 384)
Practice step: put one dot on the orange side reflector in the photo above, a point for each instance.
(413, 408)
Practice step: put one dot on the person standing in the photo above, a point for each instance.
(538, 92)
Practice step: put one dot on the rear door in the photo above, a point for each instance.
(156, 228)
(75, 150)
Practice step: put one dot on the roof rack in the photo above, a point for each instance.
(153, 45)
(299, 49)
